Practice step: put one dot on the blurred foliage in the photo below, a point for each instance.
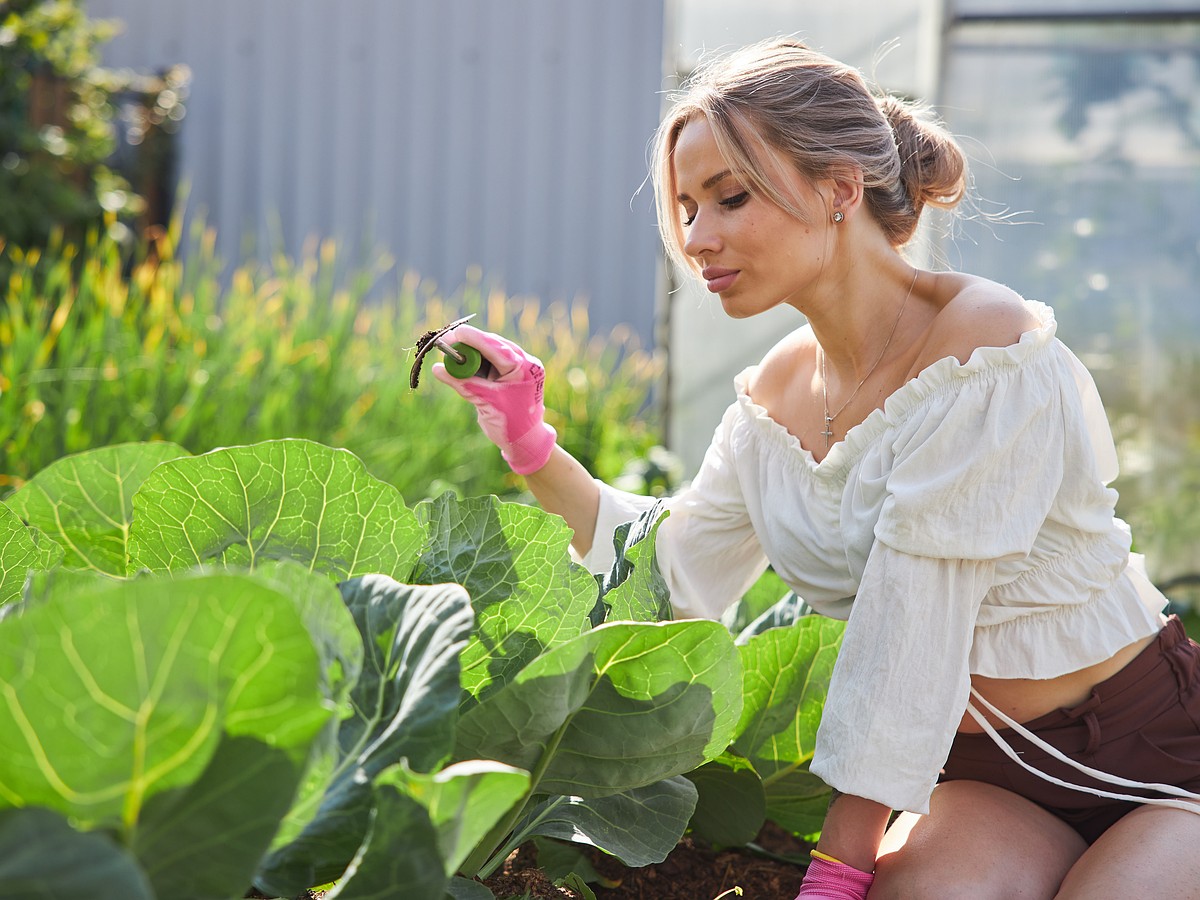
(91, 355)
(656, 474)
(56, 125)
(1159, 445)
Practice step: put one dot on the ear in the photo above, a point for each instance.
(843, 191)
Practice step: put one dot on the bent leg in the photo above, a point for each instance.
(1149, 853)
(978, 841)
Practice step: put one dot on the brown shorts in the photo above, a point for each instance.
(1141, 724)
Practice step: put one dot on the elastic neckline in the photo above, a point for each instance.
(946, 372)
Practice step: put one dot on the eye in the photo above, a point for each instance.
(688, 217)
(736, 200)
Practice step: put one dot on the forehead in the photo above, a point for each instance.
(696, 157)
(697, 167)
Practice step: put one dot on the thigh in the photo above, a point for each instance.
(1151, 852)
(978, 841)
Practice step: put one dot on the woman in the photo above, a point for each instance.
(926, 460)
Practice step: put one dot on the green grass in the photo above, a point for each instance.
(97, 349)
(1191, 621)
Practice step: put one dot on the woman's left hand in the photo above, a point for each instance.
(832, 880)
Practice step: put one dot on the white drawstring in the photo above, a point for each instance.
(1095, 773)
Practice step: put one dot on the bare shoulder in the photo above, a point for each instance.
(779, 366)
(977, 313)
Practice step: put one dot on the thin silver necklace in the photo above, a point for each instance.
(828, 432)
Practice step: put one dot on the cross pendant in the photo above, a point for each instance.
(828, 432)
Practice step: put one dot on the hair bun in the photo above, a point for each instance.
(933, 168)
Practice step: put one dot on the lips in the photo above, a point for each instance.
(719, 279)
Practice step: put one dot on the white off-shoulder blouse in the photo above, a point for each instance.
(965, 527)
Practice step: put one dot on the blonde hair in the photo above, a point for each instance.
(821, 115)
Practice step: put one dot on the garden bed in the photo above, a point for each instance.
(693, 871)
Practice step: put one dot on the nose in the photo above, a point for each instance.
(701, 237)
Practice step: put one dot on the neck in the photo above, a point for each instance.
(854, 335)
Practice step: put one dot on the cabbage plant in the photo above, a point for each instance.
(258, 666)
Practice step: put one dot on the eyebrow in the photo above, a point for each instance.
(708, 182)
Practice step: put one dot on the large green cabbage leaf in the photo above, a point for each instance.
(634, 589)
(514, 562)
(203, 841)
(403, 706)
(639, 826)
(619, 707)
(84, 502)
(116, 690)
(285, 499)
(137, 707)
(376, 873)
(787, 672)
(464, 801)
(21, 550)
(35, 847)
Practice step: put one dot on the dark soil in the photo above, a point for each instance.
(693, 871)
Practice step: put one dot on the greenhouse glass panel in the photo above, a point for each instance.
(1085, 146)
(1090, 8)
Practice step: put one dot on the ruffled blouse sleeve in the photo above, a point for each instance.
(706, 548)
(978, 466)
(901, 680)
(972, 472)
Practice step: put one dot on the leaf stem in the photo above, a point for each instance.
(759, 850)
(478, 860)
(516, 839)
(481, 856)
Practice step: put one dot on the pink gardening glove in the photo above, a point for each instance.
(827, 880)
(508, 402)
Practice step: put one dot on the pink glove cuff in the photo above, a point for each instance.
(827, 880)
(529, 453)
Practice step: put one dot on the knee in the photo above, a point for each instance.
(901, 876)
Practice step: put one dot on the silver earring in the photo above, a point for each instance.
(838, 217)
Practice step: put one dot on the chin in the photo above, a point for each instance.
(734, 310)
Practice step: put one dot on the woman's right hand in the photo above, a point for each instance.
(508, 403)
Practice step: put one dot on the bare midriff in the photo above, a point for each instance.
(1024, 699)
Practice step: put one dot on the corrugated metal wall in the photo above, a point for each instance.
(505, 134)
